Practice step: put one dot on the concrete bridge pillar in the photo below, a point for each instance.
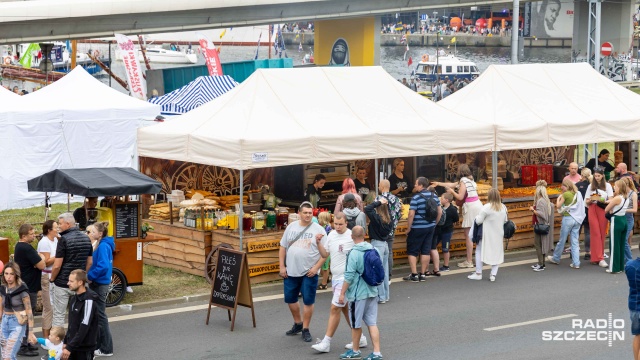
(347, 42)
(616, 26)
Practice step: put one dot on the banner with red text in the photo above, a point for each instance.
(210, 55)
(137, 86)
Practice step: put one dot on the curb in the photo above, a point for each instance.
(257, 289)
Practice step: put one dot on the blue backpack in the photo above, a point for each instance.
(373, 273)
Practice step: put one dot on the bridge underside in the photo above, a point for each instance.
(32, 29)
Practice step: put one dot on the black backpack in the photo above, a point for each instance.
(351, 221)
(443, 218)
(431, 208)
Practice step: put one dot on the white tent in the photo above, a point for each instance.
(294, 116)
(544, 105)
(7, 95)
(76, 122)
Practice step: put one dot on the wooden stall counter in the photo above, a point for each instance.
(185, 250)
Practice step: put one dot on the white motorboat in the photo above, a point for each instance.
(160, 55)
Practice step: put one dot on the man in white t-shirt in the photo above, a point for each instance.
(339, 243)
(299, 249)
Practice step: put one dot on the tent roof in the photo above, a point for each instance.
(295, 116)
(95, 182)
(543, 105)
(196, 93)
(79, 96)
(7, 95)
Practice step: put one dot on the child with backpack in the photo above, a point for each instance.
(445, 231)
(380, 226)
(363, 268)
(324, 219)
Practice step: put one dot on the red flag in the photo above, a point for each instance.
(410, 61)
(210, 55)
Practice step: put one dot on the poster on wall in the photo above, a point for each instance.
(340, 53)
(345, 42)
(551, 19)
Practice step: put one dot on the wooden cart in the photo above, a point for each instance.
(123, 185)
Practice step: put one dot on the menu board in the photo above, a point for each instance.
(227, 278)
(126, 220)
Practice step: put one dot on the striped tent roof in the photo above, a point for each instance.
(198, 92)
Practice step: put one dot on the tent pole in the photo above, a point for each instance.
(241, 215)
(377, 175)
(494, 169)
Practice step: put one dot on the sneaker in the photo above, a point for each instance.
(363, 343)
(539, 268)
(536, 266)
(100, 353)
(475, 276)
(372, 356)
(25, 351)
(574, 266)
(423, 277)
(382, 301)
(295, 329)
(306, 335)
(550, 259)
(606, 256)
(587, 256)
(566, 251)
(350, 354)
(129, 289)
(322, 346)
(492, 278)
(603, 264)
(444, 268)
(433, 273)
(465, 264)
(411, 277)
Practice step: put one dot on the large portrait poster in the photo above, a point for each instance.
(551, 19)
(345, 42)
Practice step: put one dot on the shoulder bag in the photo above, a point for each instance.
(293, 242)
(540, 229)
(610, 215)
(509, 228)
(466, 194)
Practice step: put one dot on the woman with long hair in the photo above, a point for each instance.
(596, 199)
(467, 192)
(348, 187)
(631, 210)
(571, 205)
(543, 215)
(380, 227)
(100, 276)
(583, 185)
(617, 206)
(401, 185)
(16, 312)
(47, 247)
(489, 249)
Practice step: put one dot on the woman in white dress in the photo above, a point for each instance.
(489, 250)
(467, 192)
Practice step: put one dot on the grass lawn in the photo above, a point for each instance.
(159, 283)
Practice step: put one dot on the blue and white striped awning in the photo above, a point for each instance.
(198, 92)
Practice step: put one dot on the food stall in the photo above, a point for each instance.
(122, 210)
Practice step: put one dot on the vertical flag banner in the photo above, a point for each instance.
(27, 57)
(210, 55)
(137, 87)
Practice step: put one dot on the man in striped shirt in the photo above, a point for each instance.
(421, 229)
(632, 269)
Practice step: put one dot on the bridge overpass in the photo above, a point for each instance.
(47, 20)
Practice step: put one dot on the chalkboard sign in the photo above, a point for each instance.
(126, 220)
(231, 285)
(227, 278)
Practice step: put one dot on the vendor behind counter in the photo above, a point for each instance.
(400, 185)
(80, 214)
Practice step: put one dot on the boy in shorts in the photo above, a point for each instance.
(362, 298)
(444, 232)
(339, 243)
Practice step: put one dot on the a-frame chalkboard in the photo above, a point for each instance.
(231, 286)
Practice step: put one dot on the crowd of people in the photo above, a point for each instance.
(588, 203)
(71, 268)
(444, 29)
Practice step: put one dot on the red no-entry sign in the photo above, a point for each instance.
(606, 49)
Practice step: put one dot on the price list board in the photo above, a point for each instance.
(126, 221)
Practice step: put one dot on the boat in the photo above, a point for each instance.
(430, 67)
(160, 55)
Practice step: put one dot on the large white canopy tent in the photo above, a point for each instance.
(76, 122)
(544, 105)
(295, 116)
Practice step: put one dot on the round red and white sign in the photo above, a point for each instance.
(606, 49)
